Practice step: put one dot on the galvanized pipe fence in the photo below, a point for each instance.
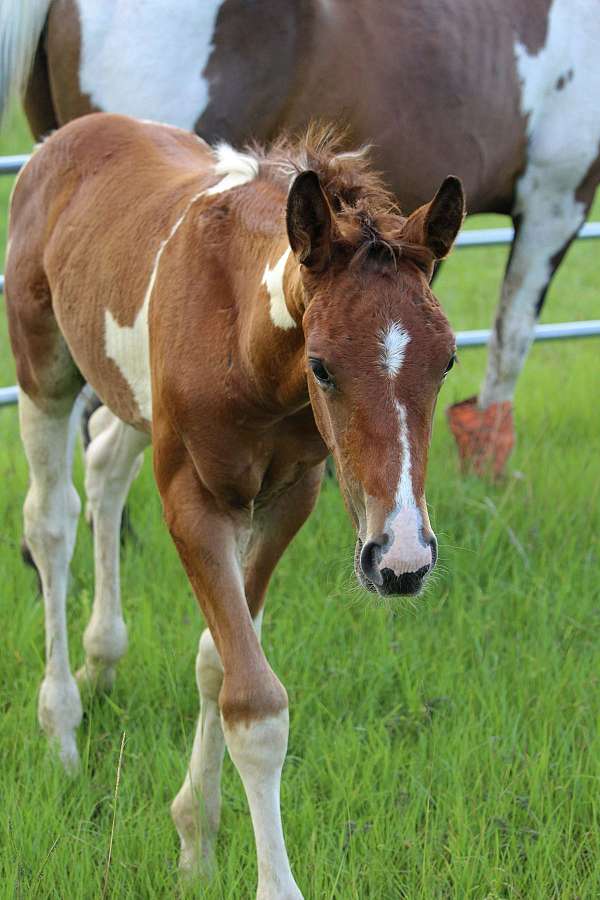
(487, 237)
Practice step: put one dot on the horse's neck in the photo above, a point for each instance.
(270, 331)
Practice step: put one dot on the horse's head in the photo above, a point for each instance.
(378, 346)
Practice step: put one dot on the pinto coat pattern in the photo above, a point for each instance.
(247, 313)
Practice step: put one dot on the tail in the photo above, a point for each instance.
(21, 24)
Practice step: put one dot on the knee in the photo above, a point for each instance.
(249, 698)
(50, 521)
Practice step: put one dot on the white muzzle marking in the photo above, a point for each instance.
(406, 550)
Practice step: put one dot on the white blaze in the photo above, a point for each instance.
(404, 492)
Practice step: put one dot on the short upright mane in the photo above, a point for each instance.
(369, 223)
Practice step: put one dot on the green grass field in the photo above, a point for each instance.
(443, 749)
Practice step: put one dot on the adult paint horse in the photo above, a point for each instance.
(162, 273)
(502, 92)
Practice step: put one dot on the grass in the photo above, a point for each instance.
(448, 749)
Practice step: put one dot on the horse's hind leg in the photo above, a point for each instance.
(113, 459)
(51, 511)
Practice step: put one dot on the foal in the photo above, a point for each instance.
(247, 313)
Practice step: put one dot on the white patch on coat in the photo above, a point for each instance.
(129, 345)
(273, 280)
(235, 167)
(563, 124)
(563, 130)
(394, 341)
(147, 59)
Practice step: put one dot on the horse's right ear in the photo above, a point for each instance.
(436, 224)
(309, 221)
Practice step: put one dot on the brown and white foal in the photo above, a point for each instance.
(245, 313)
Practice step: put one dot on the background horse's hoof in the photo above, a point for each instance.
(485, 437)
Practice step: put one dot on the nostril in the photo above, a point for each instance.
(434, 551)
(369, 557)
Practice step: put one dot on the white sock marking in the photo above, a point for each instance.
(112, 459)
(258, 750)
(273, 280)
(50, 513)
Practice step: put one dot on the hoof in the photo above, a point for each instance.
(99, 681)
(69, 755)
(485, 437)
(60, 714)
(197, 864)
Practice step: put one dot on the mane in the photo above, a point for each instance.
(369, 223)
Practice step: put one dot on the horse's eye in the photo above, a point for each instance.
(320, 372)
(450, 364)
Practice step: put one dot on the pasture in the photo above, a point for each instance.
(446, 748)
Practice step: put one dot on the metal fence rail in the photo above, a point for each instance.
(10, 165)
(486, 237)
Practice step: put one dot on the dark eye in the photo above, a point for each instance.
(450, 364)
(320, 372)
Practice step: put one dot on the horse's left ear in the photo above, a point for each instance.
(309, 221)
(437, 223)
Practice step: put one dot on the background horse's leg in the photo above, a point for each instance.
(113, 459)
(551, 205)
(51, 511)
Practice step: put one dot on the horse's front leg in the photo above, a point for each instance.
(253, 702)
